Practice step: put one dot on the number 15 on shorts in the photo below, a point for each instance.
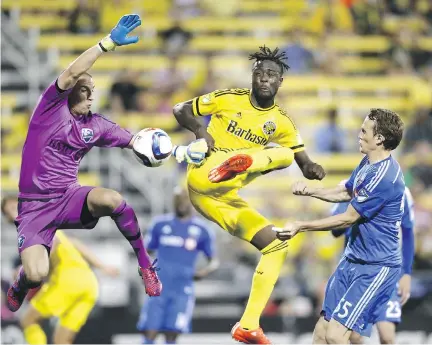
(343, 308)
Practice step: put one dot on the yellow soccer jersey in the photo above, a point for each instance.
(237, 124)
(66, 256)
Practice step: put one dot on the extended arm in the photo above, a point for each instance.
(336, 194)
(340, 221)
(81, 65)
(85, 61)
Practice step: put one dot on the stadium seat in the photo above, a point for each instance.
(116, 62)
(46, 5)
(140, 121)
(240, 24)
(355, 64)
(69, 42)
(358, 44)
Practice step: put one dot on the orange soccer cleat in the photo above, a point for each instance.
(230, 168)
(246, 336)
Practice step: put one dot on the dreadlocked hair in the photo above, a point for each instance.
(266, 53)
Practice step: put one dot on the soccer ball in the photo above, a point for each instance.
(152, 147)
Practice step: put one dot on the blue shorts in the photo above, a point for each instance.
(357, 293)
(392, 311)
(167, 313)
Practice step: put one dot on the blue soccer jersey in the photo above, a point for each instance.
(378, 196)
(177, 243)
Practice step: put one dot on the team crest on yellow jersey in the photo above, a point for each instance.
(269, 128)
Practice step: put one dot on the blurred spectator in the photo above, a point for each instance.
(221, 8)
(419, 130)
(367, 17)
(400, 7)
(330, 138)
(330, 16)
(124, 92)
(300, 58)
(84, 19)
(171, 79)
(175, 39)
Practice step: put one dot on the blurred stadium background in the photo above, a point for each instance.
(346, 56)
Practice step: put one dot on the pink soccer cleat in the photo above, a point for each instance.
(153, 285)
(15, 297)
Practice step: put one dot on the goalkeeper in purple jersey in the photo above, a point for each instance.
(61, 131)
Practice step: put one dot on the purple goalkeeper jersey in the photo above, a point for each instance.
(57, 141)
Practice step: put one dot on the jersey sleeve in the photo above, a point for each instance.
(152, 237)
(407, 227)
(287, 135)
(372, 195)
(51, 100)
(349, 184)
(112, 135)
(207, 243)
(207, 104)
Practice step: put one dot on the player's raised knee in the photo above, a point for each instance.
(36, 271)
(102, 202)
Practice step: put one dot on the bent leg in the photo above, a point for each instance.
(106, 202)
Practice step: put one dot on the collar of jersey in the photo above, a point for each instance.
(258, 108)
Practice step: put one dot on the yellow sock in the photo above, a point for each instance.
(264, 279)
(34, 334)
(271, 158)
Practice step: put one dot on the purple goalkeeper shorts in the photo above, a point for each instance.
(38, 220)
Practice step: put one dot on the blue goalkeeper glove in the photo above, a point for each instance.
(194, 153)
(118, 35)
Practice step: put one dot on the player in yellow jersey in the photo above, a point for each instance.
(243, 123)
(70, 291)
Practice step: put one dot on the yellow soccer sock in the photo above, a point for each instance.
(34, 334)
(264, 279)
(271, 158)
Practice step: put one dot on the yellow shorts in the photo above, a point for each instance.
(70, 296)
(220, 202)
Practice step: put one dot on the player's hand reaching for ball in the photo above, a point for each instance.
(194, 153)
(313, 171)
(203, 134)
(119, 34)
(301, 188)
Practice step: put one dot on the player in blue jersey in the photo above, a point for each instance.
(390, 316)
(370, 268)
(177, 239)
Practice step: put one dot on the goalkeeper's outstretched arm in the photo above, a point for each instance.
(85, 61)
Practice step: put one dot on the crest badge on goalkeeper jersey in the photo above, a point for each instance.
(86, 134)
